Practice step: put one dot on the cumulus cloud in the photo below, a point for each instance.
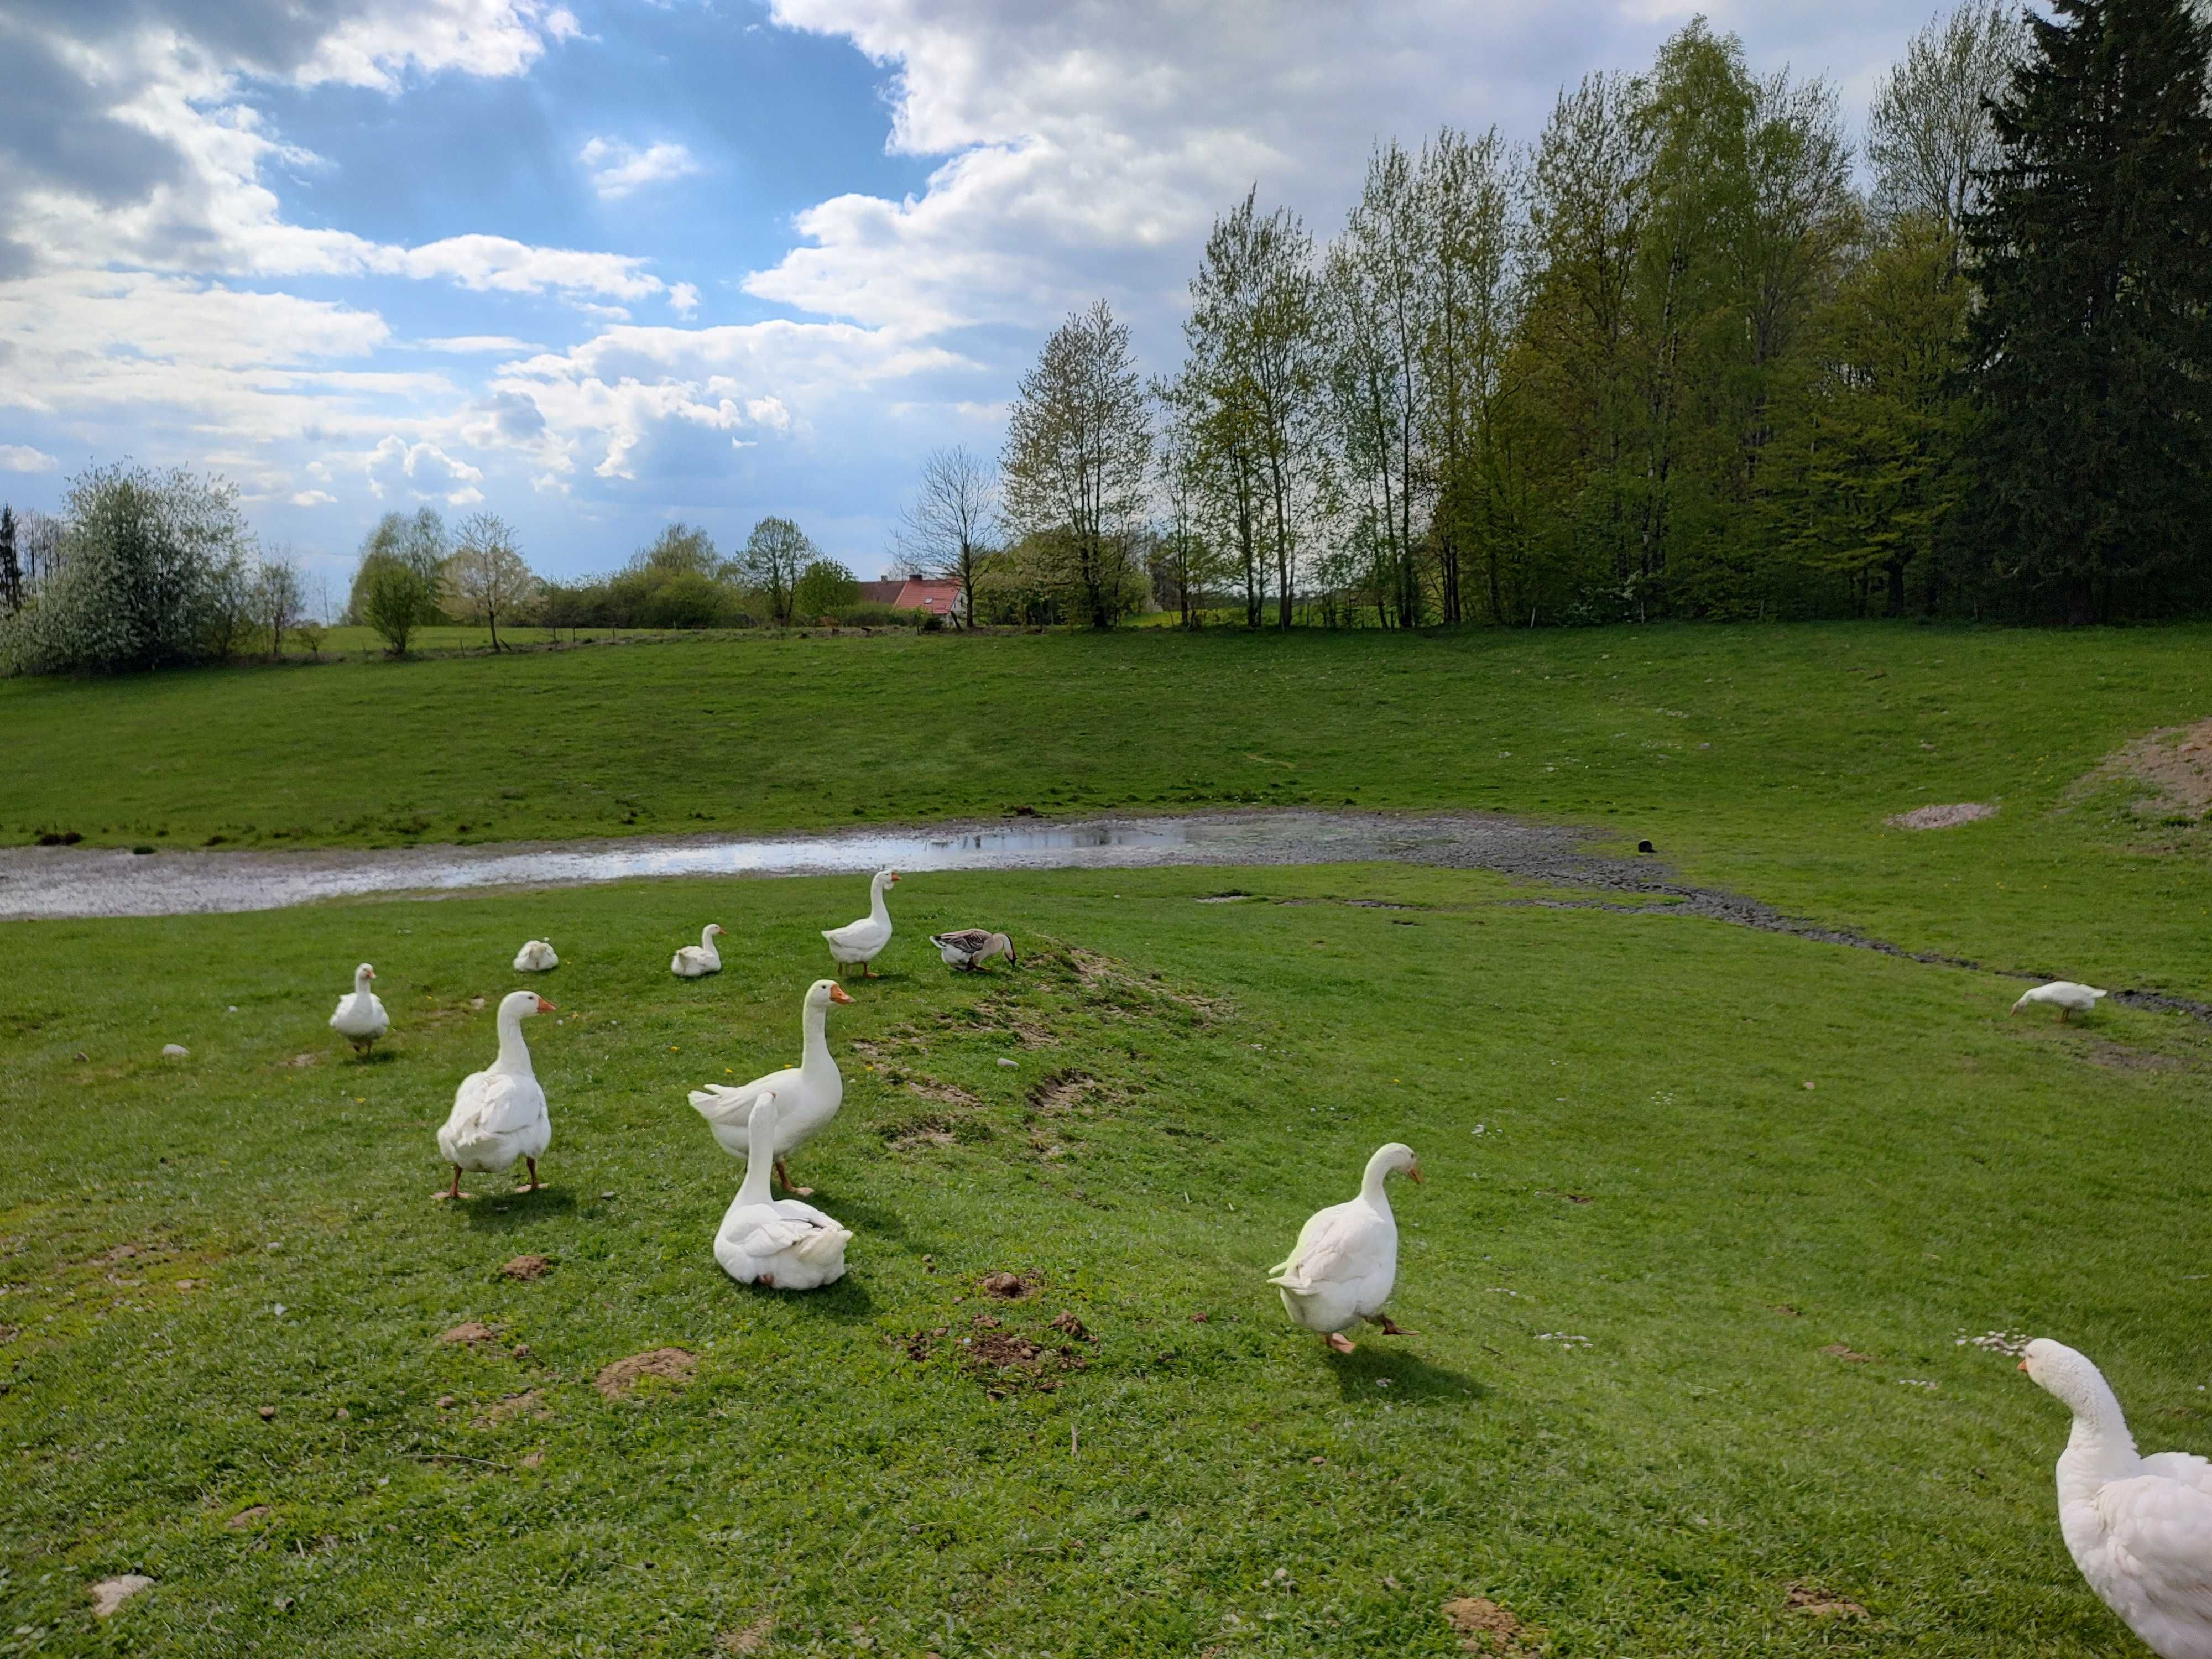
(473, 344)
(616, 169)
(420, 470)
(21, 457)
(313, 498)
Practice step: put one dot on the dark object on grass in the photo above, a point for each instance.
(1646, 846)
(59, 838)
(141, 850)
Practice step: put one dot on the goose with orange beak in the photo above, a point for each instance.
(858, 944)
(807, 1095)
(1346, 1259)
(499, 1114)
(360, 1019)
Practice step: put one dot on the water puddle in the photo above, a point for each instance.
(40, 881)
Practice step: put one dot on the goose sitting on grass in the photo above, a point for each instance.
(2064, 995)
(778, 1242)
(971, 947)
(697, 961)
(858, 944)
(360, 1019)
(1347, 1258)
(811, 1092)
(499, 1114)
(535, 957)
(2139, 1528)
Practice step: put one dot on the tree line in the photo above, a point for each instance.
(1670, 360)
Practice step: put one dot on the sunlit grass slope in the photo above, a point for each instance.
(1708, 1211)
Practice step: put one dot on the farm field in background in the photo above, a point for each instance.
(1765, 760)
(1709, 1214)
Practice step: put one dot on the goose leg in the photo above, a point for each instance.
(453, 1191)
(784, 1176)
(1341, 1342)
(1392, 1328)
(532, 1187)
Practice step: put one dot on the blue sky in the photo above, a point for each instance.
(595, 266)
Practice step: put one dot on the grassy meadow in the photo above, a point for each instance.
(1712, 1215)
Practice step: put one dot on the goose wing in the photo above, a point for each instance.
(2160, 1531)
(2186, 1468)
(1337, 1246)
(967, 940)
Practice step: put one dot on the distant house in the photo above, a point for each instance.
(914, 593)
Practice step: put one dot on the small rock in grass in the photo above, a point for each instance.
(526, 1266)
(445, 1402)
(175, 1051)
(110, 1594)
(606, 1194)
(1010, 1065)
(268, 1414)
(522, 1351)
(343, 1415)
(282, 1603)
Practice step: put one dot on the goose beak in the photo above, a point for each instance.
(543, 1006)
(2023, 1364)
(837, 994)
(1415, 1175)
(372, 972)
(894, 876)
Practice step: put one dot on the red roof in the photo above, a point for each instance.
(938, 598)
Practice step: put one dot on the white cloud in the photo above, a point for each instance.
(422, 469)
(21, 457)
(314, 498)
(389, 38)
(617, 168)
(683, 298)
(474, 344)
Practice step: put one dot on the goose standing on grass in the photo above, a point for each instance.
(535, 957)
(811, 1092)
(697, 961)
(2064, 995)
(971, 947)
(499, 1114)
(858, 944)
(360, 1019)
(778, 1242)
(1347, 1258)
(2139, 1528)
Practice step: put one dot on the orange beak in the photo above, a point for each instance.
(895, 875)
(1415, 1175)
(837, 994)
(543, 1006)
(372, 972)
(2023, 1364)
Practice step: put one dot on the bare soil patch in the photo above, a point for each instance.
(468, 1334)
(1483, 1626)
(2173, 763)
(1008, 1288)
(1942, 818)
(529, 1403)
(1803, 1598)
(672, 1366)
(246, 1516)
(1845, 1351)
(748, 1638)
(525, 1267)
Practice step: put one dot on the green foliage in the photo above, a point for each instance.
(824, 586)
(397, 584)
(152, 573)
(2093, 346)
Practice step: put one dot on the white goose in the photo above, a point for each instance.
(499, 1114)
(811, 1092)
(697, 961)
(2139, 1528)
(2064, 995)
(971, 947)
(778, 1243)
(360, 1019)
(1347, 1258)
(860, 943)
(535, 957)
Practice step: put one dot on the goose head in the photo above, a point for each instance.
(1395, 1158)
(362, 976)
(887, 878)
(714, 932)
(1003, 946)
(521, 1004)
(2068, 1376)
(823, 991)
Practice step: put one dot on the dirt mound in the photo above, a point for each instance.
(1942, 818)
(672, 1364)
(1483, 1626)
(1803, 1598)
(469, 1333)
(526, 1266)
(2174, 763)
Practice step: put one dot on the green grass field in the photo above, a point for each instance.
(1710, 1212)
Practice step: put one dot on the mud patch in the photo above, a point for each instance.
(945, 1094)
(1061, 1091)
(748, 1639)
(1942, 818)
(525, 1267)
(2172, 765)
(467, 1334)
(1006, 1362)
(2118, 1057)
(1803, 1598)
(247, 1517)
(1483, 1626)
(1008, 1287)
(1849, 1355)
(529, 1403)
(671, 1365)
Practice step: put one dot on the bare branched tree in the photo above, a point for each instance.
(1928, 133)
(276, 598)
(486, 578)
(948, 527)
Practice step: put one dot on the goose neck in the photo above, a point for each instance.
(2098, 1449)
(814, 1041)
(513, 1052)
(760, 1151)
(1370, 1183)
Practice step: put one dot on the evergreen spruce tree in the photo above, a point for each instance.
(2092, 349)
(11, 572)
